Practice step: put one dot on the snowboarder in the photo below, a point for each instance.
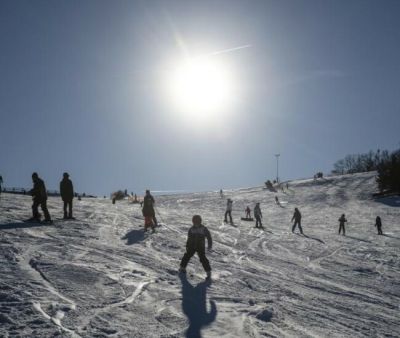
(67, 195)
(258, 215)
(248, 212)
(342, 220)
(148, 211)
(378, 224)
(228, 211)
(196, 243)
(39, 196)
(297, 220)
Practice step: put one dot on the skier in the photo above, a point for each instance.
(248, 212)
(1, 182)
(149, 214)
(297, 220)
(39, 196)
(342, 220)
(258, 215)
(67, 195)
(378, 224)
(228, 211)
(196, 243)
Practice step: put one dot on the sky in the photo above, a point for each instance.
(85, 87)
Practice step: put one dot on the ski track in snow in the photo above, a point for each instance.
(102, 276)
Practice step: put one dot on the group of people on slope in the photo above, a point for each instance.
(39, 196)
(296, 218)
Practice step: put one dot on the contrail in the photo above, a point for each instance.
(223, 51)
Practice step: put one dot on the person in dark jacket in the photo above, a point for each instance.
(258, 215)
(39, 196)
(67, 194)
(228, 211)
(196, 243)
(297, 220)
(378, 224)
(1, 182)
(148, 208)
(342, 220)
(248, 212)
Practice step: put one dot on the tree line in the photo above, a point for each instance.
(385, 163)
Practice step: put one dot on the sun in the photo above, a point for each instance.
(201, 89)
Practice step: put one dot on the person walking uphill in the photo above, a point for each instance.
(258, 215)
(297, 220)
(67, 195)
(148, 212)
(196, 243)
(342, 220)
(228, 211)
(39, 196)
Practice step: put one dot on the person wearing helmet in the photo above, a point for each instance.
(39, 196)
(67, 195)
(196, 243)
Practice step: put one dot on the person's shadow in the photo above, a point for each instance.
(20, 225)
(134, 236)
(194, 306)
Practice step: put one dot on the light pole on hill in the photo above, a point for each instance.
(277, 167)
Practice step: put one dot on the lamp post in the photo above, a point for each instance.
(277, 167)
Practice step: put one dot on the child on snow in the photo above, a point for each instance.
(297, 220)
(196, 243)
(342, 220)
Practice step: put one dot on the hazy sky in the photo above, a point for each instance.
(83, 90)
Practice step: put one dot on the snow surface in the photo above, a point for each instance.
(101, 276)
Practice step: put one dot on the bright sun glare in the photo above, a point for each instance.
(201, 89)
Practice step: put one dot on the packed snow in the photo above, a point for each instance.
(100, 275)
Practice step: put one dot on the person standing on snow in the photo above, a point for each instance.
(248, 212)
(228, 211)
(196, 243)
(1, 182)
(39, 196)
(149, 214)
(342, 220)
(378, 224)
(297, 220)
(67, 195)
(258, 215)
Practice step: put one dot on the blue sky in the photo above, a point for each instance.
(81, 90)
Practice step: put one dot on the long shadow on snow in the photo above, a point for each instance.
(21, 225)
(194, 306)
(309, 237)
(134, 236)
(358, 239)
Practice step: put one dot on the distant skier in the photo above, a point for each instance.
(342, 220)
(149, 214)
(67, 195)
(277, 200)
(228, 211)
(196, 243)
(39, 196)
(258, 215)
(378, 224)
(248, 212)
(297, 220)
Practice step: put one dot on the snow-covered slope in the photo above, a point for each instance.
(101, 276)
